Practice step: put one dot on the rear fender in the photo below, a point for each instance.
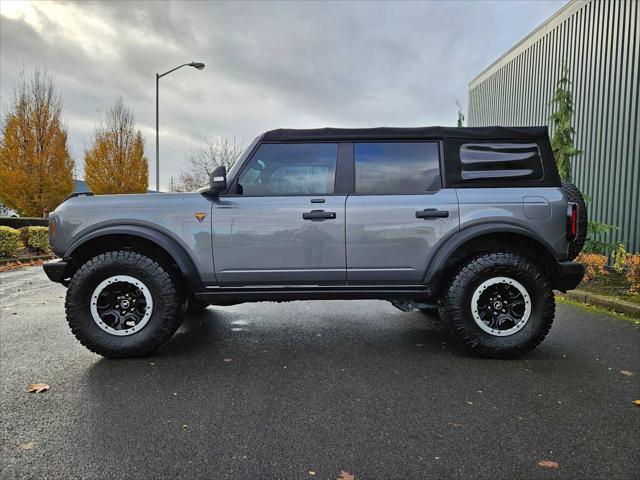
(434, 275)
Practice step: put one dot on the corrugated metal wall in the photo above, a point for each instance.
(600, 43)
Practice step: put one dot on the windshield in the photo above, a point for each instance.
(233, 171)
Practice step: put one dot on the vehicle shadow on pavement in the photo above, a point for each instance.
(226, 330)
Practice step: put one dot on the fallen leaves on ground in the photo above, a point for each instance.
(628, 373)
(27, 446)
(37, 387)
(548, 464)
(12, 266)
(344, 475)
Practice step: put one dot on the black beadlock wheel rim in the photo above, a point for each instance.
(501, 306)
(121, 305)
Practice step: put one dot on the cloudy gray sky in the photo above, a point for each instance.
(268, 64)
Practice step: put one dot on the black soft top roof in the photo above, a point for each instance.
(415, 133)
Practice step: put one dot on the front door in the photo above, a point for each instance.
(398, 212)
(283, 224)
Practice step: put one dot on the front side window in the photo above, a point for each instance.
(397, 168)
(290, 169)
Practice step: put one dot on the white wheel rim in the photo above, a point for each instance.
(497, 307)
(128, 330)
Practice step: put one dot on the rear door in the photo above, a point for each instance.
(284, 223)
(398, 213)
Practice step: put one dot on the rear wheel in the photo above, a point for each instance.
(122, 304)
(499, 305)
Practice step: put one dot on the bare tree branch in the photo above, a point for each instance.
(215, 152)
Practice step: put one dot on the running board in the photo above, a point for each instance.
(232, 295)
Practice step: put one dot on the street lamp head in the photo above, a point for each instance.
(197, 65)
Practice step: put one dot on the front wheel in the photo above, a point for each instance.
(499, 305)
(122, 304)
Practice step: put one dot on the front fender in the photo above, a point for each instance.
(177, 253)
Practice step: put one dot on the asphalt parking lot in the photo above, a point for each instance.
(307, 389)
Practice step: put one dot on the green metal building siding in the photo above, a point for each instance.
(600, 43)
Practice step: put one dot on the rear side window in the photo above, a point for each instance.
(397, 168)
(290, 169)
(495, 161)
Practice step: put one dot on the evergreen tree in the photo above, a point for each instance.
(562, 141)
(460, 122)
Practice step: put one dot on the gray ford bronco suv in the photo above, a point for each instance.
(472, 222)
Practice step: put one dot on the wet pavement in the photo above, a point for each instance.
(304, 390)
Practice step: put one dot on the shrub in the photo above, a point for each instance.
(619, 257)
(596, 231)
(593, 264)
(9, 241)
(633, 272)
(39, 239)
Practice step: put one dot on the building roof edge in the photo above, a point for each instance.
(561, 15)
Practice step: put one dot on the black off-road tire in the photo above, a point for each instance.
(574, 195)
(162, 324)
(456, 303)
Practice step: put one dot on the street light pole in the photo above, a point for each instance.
(197, 65)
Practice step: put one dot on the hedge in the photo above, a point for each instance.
(39, 239)
(9, 241)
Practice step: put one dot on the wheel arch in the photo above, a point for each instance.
(148, 241)
(482, 238)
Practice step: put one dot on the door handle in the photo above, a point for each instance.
(429, 213)
(318, 215)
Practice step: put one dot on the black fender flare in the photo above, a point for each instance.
(177, 253)
(449, 246)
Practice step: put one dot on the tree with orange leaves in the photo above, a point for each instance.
(116, 163)
(36, 169)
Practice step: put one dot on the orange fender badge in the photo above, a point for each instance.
(200, 216)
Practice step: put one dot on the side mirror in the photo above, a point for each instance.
(218, 180)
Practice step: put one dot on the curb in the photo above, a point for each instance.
(7, 261)
(617, 305)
